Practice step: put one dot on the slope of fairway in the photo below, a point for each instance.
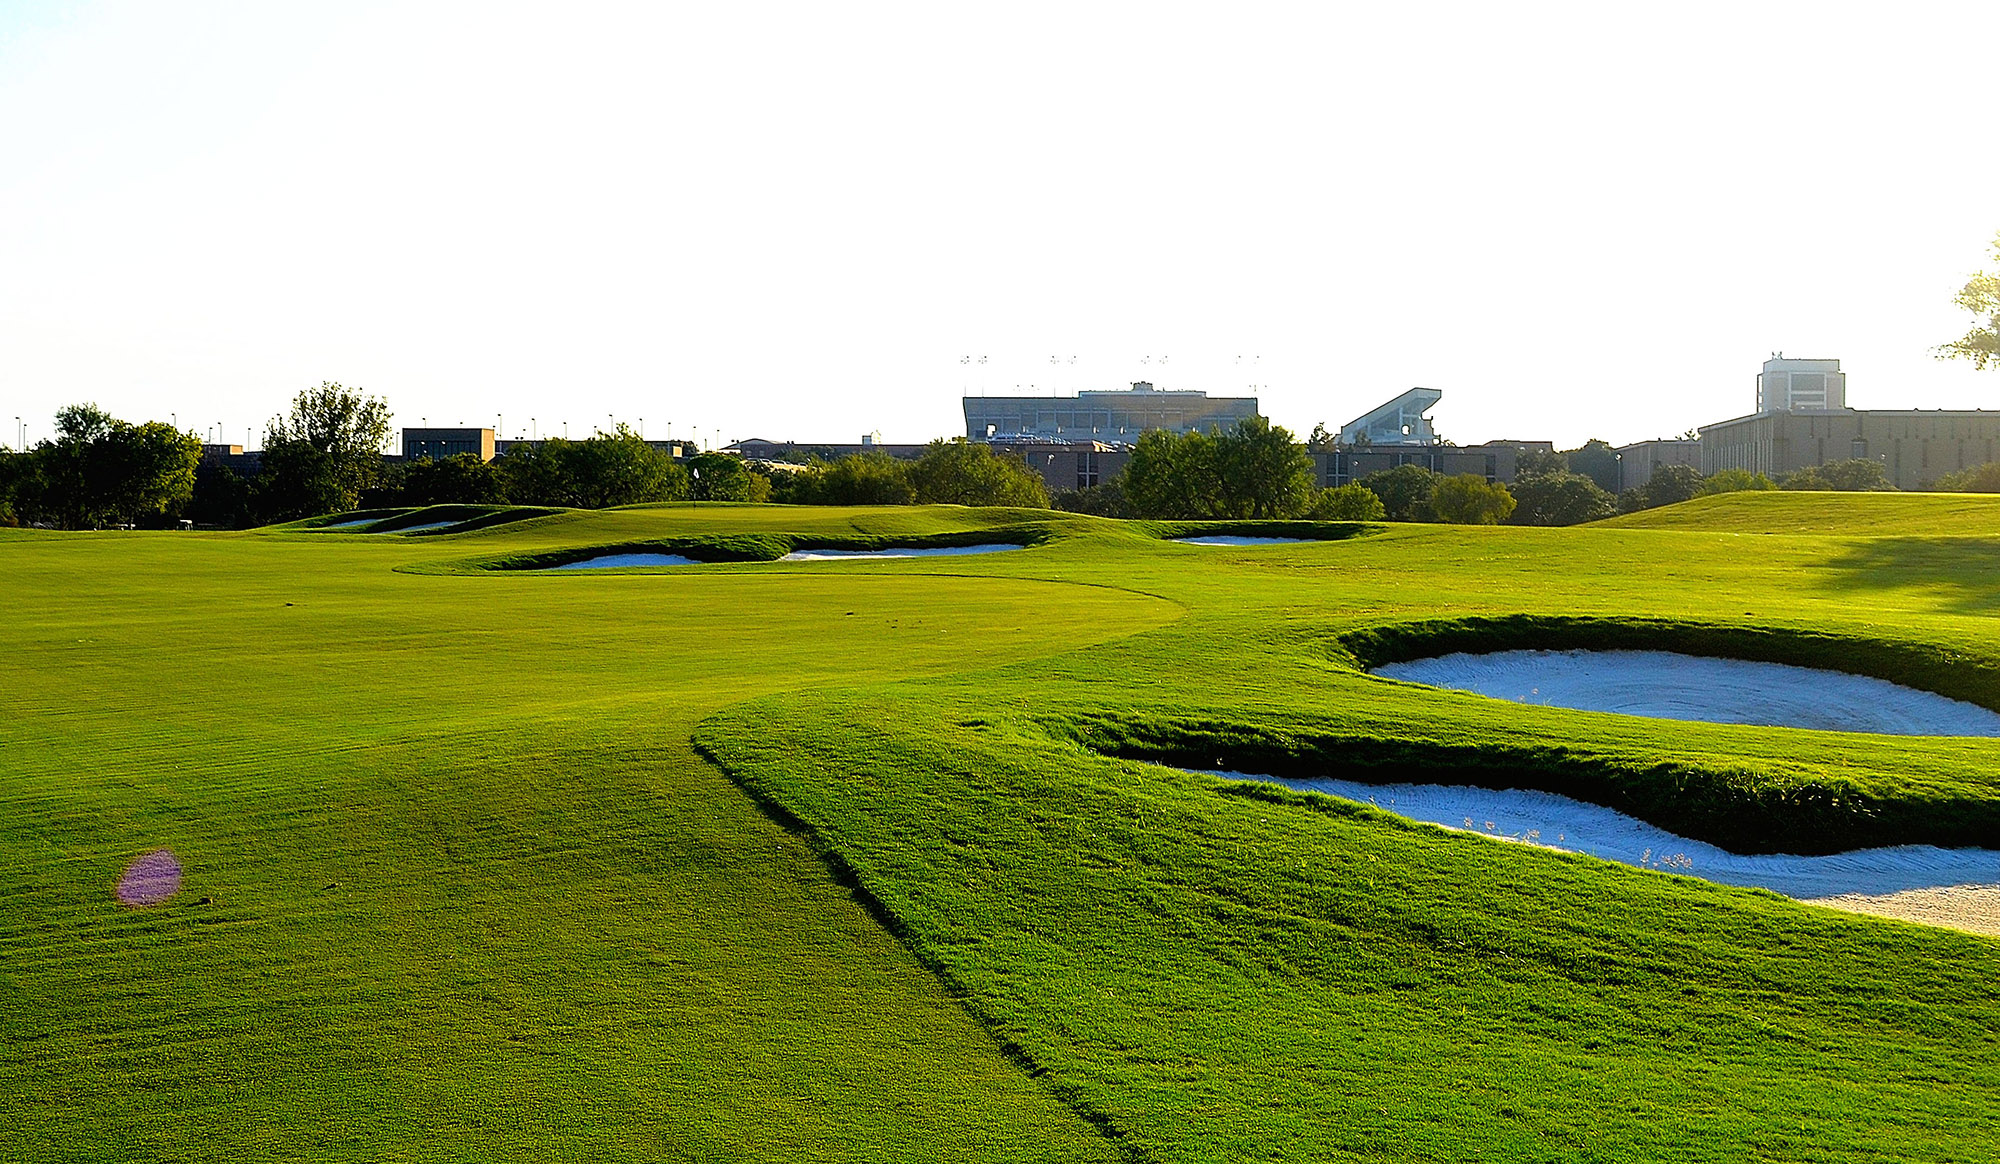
(1803, 512)
(463, 882)
(456, 888)
(1230, 974)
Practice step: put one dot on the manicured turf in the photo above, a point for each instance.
(471, 892)
(1808, 512)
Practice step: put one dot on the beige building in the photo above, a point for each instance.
(1636, 462)
(435, 444)
(1112, 417)
(1915, 447)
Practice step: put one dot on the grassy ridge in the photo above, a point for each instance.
(1225, 977)
(1806, 512)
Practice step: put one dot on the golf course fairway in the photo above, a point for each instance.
(901, 859)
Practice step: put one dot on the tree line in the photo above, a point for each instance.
(324, 455)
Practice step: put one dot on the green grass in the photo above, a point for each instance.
(829, 860)
(1806, 512)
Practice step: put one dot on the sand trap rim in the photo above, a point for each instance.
(1933, 667)
(1307, 531)
(1747, 810)
(726, 549)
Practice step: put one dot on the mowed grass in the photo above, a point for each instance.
(472, 894)
(1810, 512)
(456, 887)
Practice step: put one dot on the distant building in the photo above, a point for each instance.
(1915, 447)
(1492, 461)
(1636, 462)
(1113, 417)
(1800, 385)
(759, 449)
(435, 444)
(1398, 433)
(1068, 464)
(1398, 422)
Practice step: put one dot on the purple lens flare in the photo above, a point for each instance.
(151, 879)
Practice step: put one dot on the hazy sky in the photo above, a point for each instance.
(801, 221)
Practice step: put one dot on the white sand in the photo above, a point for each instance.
(1665, 685)
(1956, 887)
(421, 528)
(1229, 540)
(895, 552)
(353, 524)
(617, 561)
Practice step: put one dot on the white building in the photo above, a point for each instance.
(1800, 385)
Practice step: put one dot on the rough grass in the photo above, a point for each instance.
(473, 894)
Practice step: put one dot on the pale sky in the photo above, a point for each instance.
(802, 220)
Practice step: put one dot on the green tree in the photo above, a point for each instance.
(1539, 462)
(1671, 485)
(1978, 479)
(1254, 469)
(1262, 471)
(963, 472)
(1598, 461)
(719, 477)
(1102, 500)
(1980, 296)
(222, 496)
(1405, 491)
(1171, 476)
(1735, 481)
(145, 471)
(463, 478)
(1559, 498)
(1321, 441)
(1347, 503)
(616, 468)
(99, 470)
(1468, 499)
(320, 456)
(857, 479)
(1860, 475)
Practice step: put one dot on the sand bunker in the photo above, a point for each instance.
(410, 529)
(1232, 540)
(895, 552)
(1956, 887)
(352, 524)
(1665, 685)
(618, 561)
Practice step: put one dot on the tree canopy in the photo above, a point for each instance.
(1559, 498)
(1468, 499)
(320, 456)
(1978, 479)
(1981, 297)
(99, 470)
(1598, 461)
(1405, 491)
(1254, 469)
(963, 472)
(1860, 475)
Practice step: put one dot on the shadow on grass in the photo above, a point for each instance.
(1963, 573)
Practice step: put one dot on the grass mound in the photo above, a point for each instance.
(1802, 512)
(1312, 531)
(1741, 808)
